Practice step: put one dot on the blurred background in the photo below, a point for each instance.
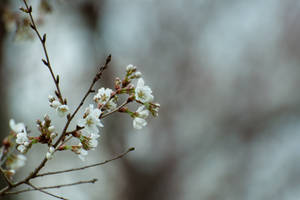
(226, 74)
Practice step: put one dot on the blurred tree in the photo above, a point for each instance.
(3, 106)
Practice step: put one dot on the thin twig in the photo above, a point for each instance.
(43, 41)
(65, 141)
(88, 166)
(45, 192)
(52, 187)
(96, 78)
(56, 81)
(3, 190)
(5, 177)
(113, 111)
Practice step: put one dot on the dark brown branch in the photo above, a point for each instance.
(43, 42)
(88, 166)
(52, 187)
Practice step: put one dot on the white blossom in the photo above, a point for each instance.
(22, 137)
(139, 123)
(49, 154)
(53, 135)
(138, 74)
(143, 92)
(54, 104)
(130, 67)
(140, 120)
(19, 127)
(156, 107)
(51, 129)
(89, 142)
(103, 95)
(93, 142)
(18, 162)
(62, 110)
(142, 112)
(111, 105)
(51, 98)
(82, 153)
(51, 149)
(91, 121)
(26, 144)
(23, 142)
(21, 148)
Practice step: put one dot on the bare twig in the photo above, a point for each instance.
(47, 61)
(5, 177)
(45, 192)
(88, 166)
(65, 141)
(3, 190)
(52, 187)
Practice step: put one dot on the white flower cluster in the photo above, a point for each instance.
(90, 123)
(91, 120)
(143, 95)
(86, 143)
(103, 99)
(61, 109)
(20, 130)
(131, 71)
(49, 154)
(87, 130)
(139, 121)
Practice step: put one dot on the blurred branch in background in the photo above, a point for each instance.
(3, 107)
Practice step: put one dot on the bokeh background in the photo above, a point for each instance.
(227, 76)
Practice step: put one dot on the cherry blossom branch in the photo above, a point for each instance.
(58, 93)
(106, 100)
(45, 192)
(88, 166)
(63, 134)
(47, 61)
(90, 90)
(53, 187)
(65, 141)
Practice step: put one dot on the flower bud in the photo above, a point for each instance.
(138, 74)
(51, 129)
(53, 135)
(130, 68)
